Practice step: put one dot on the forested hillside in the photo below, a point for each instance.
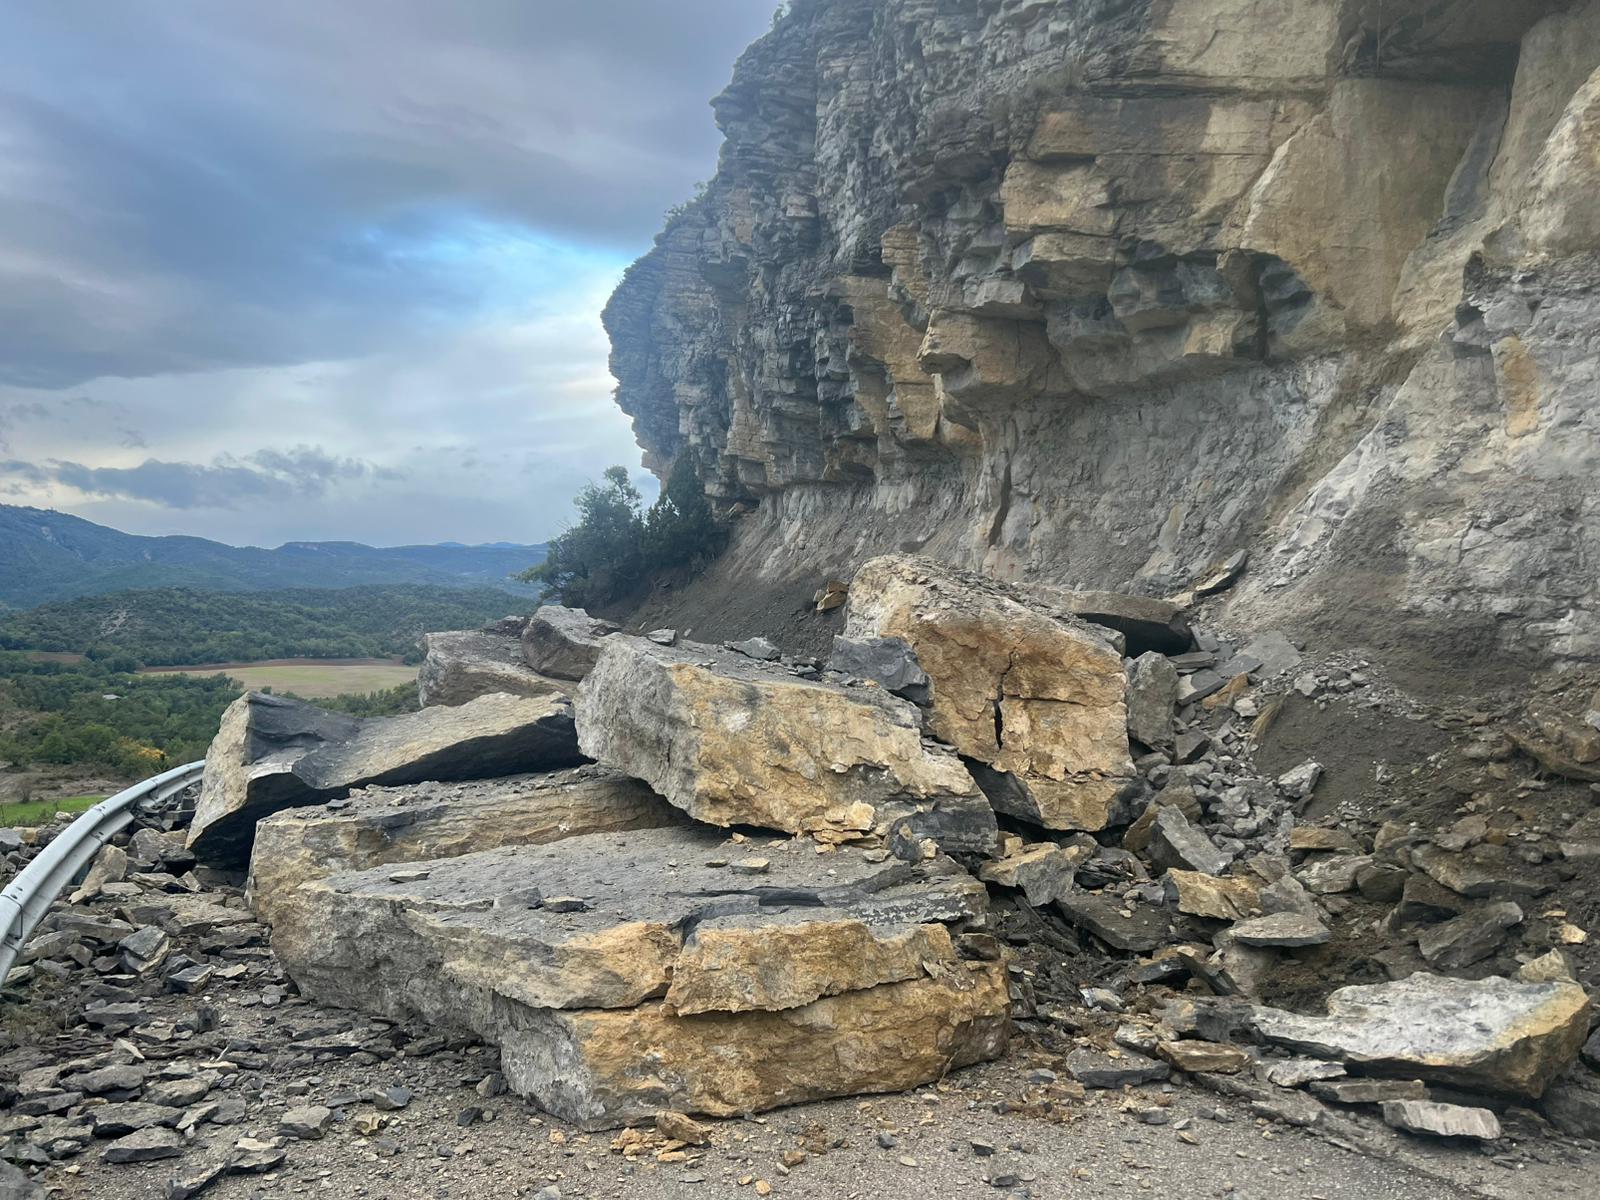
(177, 626)
(100, 716)
(48, 555)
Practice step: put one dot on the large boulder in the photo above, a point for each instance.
(733, 741)
(1019, 684)
(272, 753)
(563, 642)
(1491, 1034)
(463, 664)
(379, 825)
(624, 973)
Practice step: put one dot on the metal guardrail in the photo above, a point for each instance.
(29, 896)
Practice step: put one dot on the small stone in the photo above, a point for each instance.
(1280, 929)
(192, 1181)
(759, 648)
(191, 979)
(1213, 1057)
(1299, 783)
(144, 1145)
(1176, 843)
(114, 1120)
(308, 1123)
(178, 1093)
(1097, 1069)
(1296, 1072)
(1469, 938)
(1368, 1091)
(681, 1128)
(1441, 1120)
(751, 866)
(663, 637)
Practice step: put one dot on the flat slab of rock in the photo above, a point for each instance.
(1492, 1034)
(1138, 928)
(273, 753)
(1126, 1068)
(380, 825)
(1280, 929)
(463, 664)
(1368, 1091)
(1441, 1120)
(1017, 682)
(733, 742)
(563, 642)
(622, 973)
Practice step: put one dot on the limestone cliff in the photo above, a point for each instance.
(1102, 291)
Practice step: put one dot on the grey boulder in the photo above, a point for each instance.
(273, 753)
(563, 642)
(463, 664)
(1491, 1034)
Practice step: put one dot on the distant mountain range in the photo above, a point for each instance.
(47, 555)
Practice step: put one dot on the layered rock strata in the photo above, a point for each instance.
(625, 973)
(735, 742)
(272, 753)
(379, 825)
(1104, 292)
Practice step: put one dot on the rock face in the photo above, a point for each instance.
(732, 741)
(563, 642)
(273, 753)
(1106, 326)
(379, 825)
(824, 975)
(464, 664)
(1491, 1034)
(1034, 693)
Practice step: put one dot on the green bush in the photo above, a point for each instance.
(614, 545)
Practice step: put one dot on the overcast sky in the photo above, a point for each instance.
(333, 268)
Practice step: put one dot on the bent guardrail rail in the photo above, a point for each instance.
(29, 896)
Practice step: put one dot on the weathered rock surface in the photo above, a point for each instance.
(1441, 1120)
(414, 822)
(824, 975)
(1032, 692)
(563, 642)
(1491, 1034)
(464, 664)
(1109, 330)
(273, 753)
(735, 742)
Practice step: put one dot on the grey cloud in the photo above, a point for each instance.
(193, 185)
(267, 475)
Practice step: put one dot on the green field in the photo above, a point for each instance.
(39, 812)
(314, 679)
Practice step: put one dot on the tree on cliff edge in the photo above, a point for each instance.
(600, 557)
(613, 546)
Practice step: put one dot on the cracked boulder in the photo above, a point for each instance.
(1018, 683)
(732, 741)
(463, 664)
(273, 752)
(1491, 1034)
(379, 825)
(625, 973)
